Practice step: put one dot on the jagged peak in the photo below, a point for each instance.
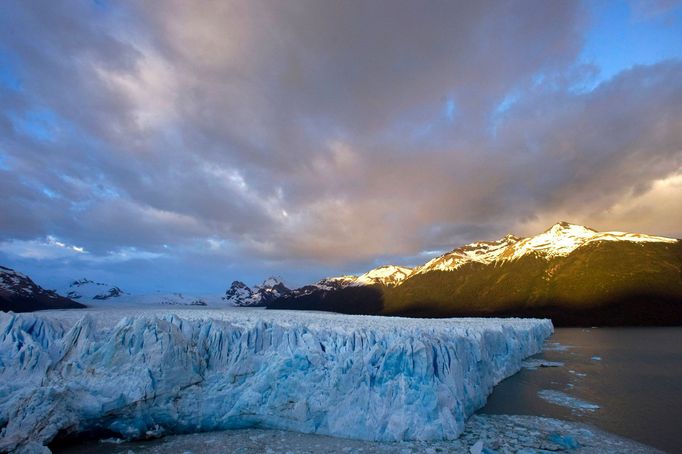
(346, 277)
(241, 294)
(11, 272)
(271, 281)
(81, 281)
(389, 269)
(238, 284)
(385, 274)
(85, 289)
(563, 227)
(85, 281)
(563, 224)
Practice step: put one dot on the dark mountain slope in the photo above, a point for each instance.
(604, 283)
(18, 293)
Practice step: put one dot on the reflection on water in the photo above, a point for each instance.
(624, 380)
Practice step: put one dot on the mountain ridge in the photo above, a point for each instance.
(571, 273)
(558, 240)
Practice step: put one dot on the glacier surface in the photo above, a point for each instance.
(148, 372)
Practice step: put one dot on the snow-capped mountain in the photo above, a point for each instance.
(18, 293)
(161, 298)
(99, 294)
(563, 238)
(558, 241)
(331, 283)
(171, 299)
(480, 251)
(388, 275)
(571, 273)
(86, 290)
(240, 294)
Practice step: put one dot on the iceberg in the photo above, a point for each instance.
(151, 372)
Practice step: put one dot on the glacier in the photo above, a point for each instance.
(150, 372)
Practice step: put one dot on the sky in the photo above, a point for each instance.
(182, 146)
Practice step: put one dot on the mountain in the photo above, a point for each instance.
(388, 275)
(569, 273)
(86, 290)
(240, 294)
(481, 251)
(99, 294)
(346, 294)
(18, 293)
(170, 299)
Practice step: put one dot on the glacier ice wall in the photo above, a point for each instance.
(372, 378)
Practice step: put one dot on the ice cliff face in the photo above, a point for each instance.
(370, 378)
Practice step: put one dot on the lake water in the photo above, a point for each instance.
(633, 376)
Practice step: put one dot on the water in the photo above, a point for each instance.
(633, 375)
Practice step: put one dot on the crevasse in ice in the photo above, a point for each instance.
(372, 378)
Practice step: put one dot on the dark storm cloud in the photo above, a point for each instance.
(310, 132)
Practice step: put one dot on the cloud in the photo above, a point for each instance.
(657, 208)
(51, 248)
(307, 134)
(47, 248)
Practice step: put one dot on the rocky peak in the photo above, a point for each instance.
(239, 294)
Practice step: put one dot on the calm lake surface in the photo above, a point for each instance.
(633, 375)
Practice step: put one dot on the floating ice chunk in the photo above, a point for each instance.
(596, 358)
(564, 400)
(556, 347)
(565, 441)
(532, 364)
(577, 374)
(477, 448)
